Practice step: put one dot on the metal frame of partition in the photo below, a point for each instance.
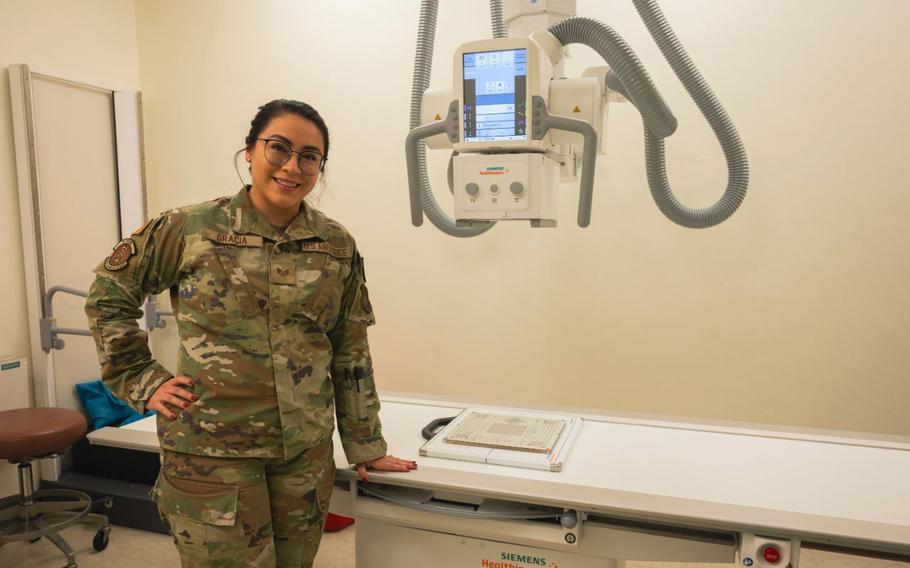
(127, 119)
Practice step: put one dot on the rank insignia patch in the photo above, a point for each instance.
(118, 260)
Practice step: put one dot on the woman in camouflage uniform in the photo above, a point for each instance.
(272, 310)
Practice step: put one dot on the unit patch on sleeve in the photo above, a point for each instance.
(118, 260)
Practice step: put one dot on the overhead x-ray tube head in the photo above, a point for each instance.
(497, 82)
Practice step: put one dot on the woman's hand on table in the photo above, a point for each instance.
(385, 463)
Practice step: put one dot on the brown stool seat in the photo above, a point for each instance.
(34, 432)
(26, 435)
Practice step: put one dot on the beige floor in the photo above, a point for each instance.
(132, 548)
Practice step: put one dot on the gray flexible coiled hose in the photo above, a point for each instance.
(637, 84)
(423, 64)
(659, 122)
(714, 113)
(500, 29)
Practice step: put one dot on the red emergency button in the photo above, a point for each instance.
(771, 554)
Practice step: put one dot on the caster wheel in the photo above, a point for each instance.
(100, 541)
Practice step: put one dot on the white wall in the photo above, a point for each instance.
(91, 41)
(794, 312)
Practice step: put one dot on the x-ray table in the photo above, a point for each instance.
(632, 488)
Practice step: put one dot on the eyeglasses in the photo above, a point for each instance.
(278, 153)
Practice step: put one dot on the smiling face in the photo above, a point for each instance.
(278, 190)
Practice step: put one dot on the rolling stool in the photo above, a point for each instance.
(28, 434)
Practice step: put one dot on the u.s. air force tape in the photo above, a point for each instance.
(121, 255)
(336, 251)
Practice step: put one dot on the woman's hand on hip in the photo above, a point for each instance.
(171, 394)
(385, 463)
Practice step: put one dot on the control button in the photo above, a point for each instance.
(472, 188)
(570, 538)
(516, 187)
(494, 188)
(771, 554)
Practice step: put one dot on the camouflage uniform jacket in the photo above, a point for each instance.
(273, 328)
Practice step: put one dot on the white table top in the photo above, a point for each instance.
(821, 487)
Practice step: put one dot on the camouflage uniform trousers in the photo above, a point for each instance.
(246, 512)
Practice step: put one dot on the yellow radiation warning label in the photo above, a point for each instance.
(577, 109)
(437, 117)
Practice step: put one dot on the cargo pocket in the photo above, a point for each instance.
(201, 516)
(303, 489)
(321, 495)
(324, 490)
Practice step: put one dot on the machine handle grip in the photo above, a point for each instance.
(589, 158)
(543, 121)
(448, 126)
(411, 149)
(434, 427)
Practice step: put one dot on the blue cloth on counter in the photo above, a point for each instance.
(103, 408)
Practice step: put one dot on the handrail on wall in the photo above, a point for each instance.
(49, 329)
(152, 314)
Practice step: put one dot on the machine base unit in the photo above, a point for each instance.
(381, 545)
(567, 537)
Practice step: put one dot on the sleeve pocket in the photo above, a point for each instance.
(361, 310)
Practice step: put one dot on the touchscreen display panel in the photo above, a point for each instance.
(495, 93)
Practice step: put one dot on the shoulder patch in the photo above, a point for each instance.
(118, 260)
